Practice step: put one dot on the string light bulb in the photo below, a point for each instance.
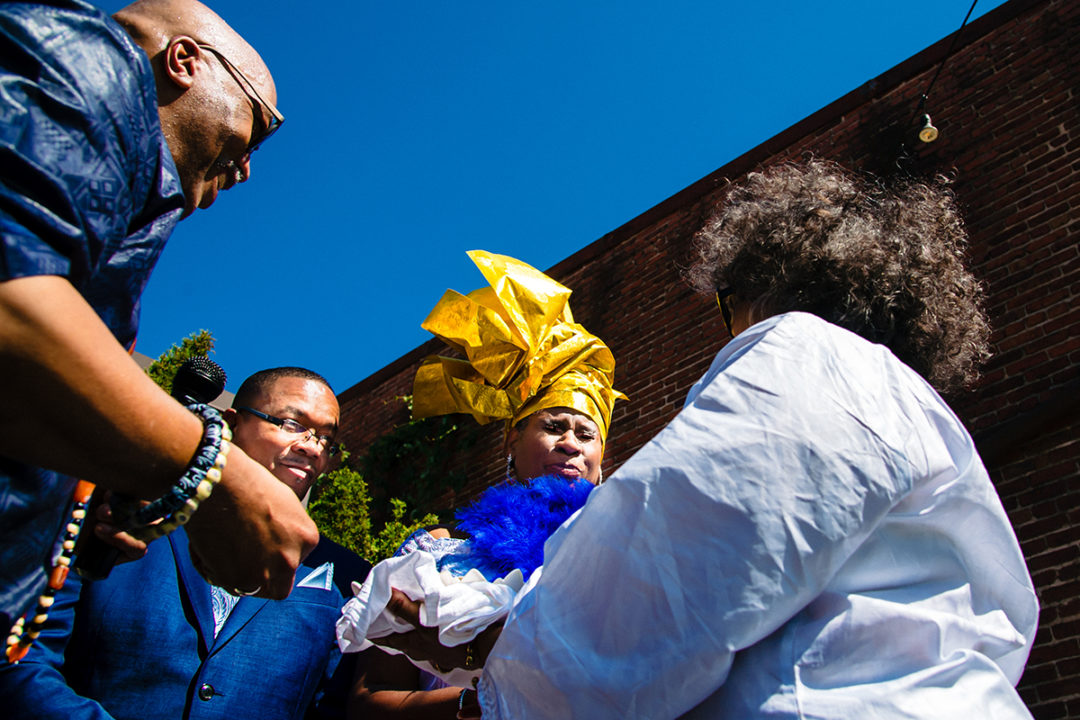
(928, 133)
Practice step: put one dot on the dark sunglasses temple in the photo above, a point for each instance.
(723, 300)
(276, 118)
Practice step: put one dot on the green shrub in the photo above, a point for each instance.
(163, 370)
(342, 510)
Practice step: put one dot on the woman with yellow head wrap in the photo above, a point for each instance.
(528, 364)
(523, 354)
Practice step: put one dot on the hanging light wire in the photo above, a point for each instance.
(948, 54)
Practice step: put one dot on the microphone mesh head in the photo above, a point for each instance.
(207, 368)
(199, 380)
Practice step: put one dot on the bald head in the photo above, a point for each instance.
(153, 23)
(216, 97)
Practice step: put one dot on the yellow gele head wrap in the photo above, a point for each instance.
(523, 350)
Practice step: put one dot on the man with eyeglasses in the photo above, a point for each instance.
(155, 640)
(112, 130)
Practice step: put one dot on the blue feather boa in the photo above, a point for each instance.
(509, 523)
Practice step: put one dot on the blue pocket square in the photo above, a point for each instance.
(321, 577)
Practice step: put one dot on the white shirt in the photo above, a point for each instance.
(813, 536)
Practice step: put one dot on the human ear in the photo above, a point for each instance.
(181, 61)
(511, 440)
(230, 416)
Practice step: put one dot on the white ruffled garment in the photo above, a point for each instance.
(461, 607)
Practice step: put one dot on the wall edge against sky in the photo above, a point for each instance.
(875, 87)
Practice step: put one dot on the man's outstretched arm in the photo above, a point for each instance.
(79, 405)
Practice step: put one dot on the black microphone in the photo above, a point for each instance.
(198, 380)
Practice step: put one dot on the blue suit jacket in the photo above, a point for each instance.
(142, 646)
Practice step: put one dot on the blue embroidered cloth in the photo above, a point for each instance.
(88, 191)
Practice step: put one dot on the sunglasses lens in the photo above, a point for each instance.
(270, 130)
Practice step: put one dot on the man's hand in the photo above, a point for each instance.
(110, 534)
(252, 532)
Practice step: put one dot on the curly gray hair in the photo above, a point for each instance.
(883, 262)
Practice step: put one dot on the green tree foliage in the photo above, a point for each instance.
(342, 511)
(412, 462)
(163, 370)
(408, 467)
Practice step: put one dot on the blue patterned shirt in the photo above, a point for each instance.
(88, 191)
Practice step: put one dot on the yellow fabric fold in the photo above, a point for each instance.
(523, 351)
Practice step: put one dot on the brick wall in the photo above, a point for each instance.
(1006, 104)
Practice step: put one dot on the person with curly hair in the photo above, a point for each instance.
(814, 534)
(885, 263)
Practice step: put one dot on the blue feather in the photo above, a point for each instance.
(509, 523)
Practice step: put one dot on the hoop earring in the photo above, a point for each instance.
(601, 480)
(509, 466)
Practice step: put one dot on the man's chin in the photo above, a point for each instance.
(199, 198)
(208, 196)
(296, 479)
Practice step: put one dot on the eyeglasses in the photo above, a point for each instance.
(276, 118)
(294, 428)
(726, 300)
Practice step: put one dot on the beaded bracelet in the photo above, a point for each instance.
(22, 636)
(182, 500)
(187, 487)
(148, 533)
(194, 486)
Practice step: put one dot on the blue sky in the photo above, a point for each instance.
(418, 130)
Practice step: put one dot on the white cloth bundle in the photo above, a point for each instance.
(461, 607)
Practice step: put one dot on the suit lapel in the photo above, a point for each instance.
(247, 608)
(194, 589)
(241, 614)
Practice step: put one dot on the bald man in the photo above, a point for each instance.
(112, 130)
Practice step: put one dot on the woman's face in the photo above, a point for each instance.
(557, 441)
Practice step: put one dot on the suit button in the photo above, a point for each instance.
(206, 691)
